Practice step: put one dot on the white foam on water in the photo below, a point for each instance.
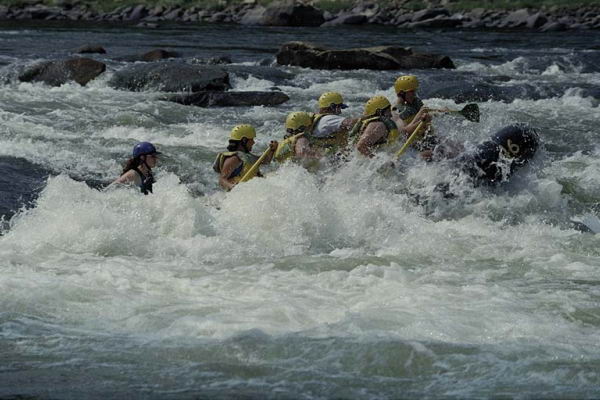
(79, 219)
(159, 257)
(553, 70)
(250, 83)
(581, 171)
(518, 65)
(574, 111)
(361, 87)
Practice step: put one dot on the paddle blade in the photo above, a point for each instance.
(592, 223)
(470, 112)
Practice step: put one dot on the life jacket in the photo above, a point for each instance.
(331, 142)
(407, 113)
(146, 181)
(392, 130)
(286, 149)
(248, 160)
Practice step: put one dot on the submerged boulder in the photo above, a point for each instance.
(56, 73)
(225, 99)
(20, 183)
(150, 56)
(90, 48)
(379, 58)
(171, 77)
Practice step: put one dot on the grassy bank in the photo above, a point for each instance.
(330, 5)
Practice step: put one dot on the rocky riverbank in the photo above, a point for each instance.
(438, 15)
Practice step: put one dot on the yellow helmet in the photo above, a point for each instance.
(406, 83)
(376, 104)
(329, 99)
(242, 131)
(297, 120)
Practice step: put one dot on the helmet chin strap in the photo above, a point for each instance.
(402, 95)
(244, 141)
(145, 163)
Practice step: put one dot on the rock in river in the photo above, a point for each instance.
(225, 99)
(171, 77)
(379, 58)
(56, 73)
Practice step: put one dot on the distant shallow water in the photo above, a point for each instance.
(299, 285)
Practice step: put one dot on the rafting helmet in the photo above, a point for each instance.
(329, 99)
(242, 131)
(375, 105)
(406, 83)
(144, 148)
(298, 120)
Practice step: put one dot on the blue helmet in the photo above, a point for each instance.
(144, 148)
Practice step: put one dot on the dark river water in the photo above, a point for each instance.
(329, 285)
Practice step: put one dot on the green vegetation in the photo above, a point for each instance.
(329, 5)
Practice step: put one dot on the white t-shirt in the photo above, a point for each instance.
(328, 125)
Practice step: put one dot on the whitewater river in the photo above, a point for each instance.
(345, 284)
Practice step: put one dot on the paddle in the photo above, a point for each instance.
(254, 168)
(470, 112)
(588, 222)
(410, 140)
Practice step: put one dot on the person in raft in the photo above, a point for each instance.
(234, 163)
(330, 129)
(409, 111)
(296, 144)
(138, 169)
(376, 127)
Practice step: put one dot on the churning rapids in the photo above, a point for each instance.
(297, 286)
